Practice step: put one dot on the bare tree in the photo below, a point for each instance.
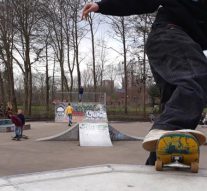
(54, 14)
(140, 27)
(6, 48)
(101, 60)
(87, 77)
(26, 22)
(79, 31)
(121, 27)
(91, 21)
(2, 89)
(68, 29)
(47, 74)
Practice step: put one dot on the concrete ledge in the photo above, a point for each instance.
(107, 177)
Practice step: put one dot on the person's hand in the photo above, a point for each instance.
(89, 7)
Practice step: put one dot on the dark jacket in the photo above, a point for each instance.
(81, 90)
(21, 116)
(191, 15)
(16, 121)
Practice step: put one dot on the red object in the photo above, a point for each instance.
(78, 113)
(16, 121)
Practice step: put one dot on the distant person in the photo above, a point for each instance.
(69, 113)
(18, 124)
(20, 115)
(80, 97)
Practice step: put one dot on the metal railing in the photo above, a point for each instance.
(76, 97)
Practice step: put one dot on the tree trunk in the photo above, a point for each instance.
(29, 74)
(125, 68)
(2, 92)
(53, 81)
(93, 55)
(47, 82)
(144, 72)
(10, 76)
(26, 92)
(77, 53)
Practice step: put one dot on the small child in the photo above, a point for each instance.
(18, 124)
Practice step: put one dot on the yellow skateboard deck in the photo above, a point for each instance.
(177, 150)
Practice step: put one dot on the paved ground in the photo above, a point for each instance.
(106, 177)
(29, 156)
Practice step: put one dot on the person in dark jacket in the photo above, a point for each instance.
(20, 115)
(175, 51)
(18, 124)
(80, 95)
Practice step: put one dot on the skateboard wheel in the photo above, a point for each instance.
(158, 165)
(194, 167)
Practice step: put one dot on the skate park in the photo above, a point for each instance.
(47, 162)
(148, 57)
(53, 158)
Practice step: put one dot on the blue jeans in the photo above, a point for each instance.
(18, 131)
(180, 69)
(69, 119)
(80, 97)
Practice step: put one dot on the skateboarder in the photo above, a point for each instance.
(69, 113)
(175, 50)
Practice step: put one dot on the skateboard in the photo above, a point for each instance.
(23, 137)
(177, 150)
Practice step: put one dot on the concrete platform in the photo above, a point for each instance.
(107, 178)
(92, 130)
(73, 134)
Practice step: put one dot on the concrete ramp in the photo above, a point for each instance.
(107, 178)
(116, 135)
(92, 128)
(94, 134)
(72, 134)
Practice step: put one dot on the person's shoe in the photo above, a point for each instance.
(151, 159)
(150, 141)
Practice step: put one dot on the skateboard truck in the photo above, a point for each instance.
(177, 158)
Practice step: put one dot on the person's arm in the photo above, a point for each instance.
(127, 7)
(121, 7)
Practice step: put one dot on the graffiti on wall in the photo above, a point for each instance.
(95, 115)
(80, 110)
